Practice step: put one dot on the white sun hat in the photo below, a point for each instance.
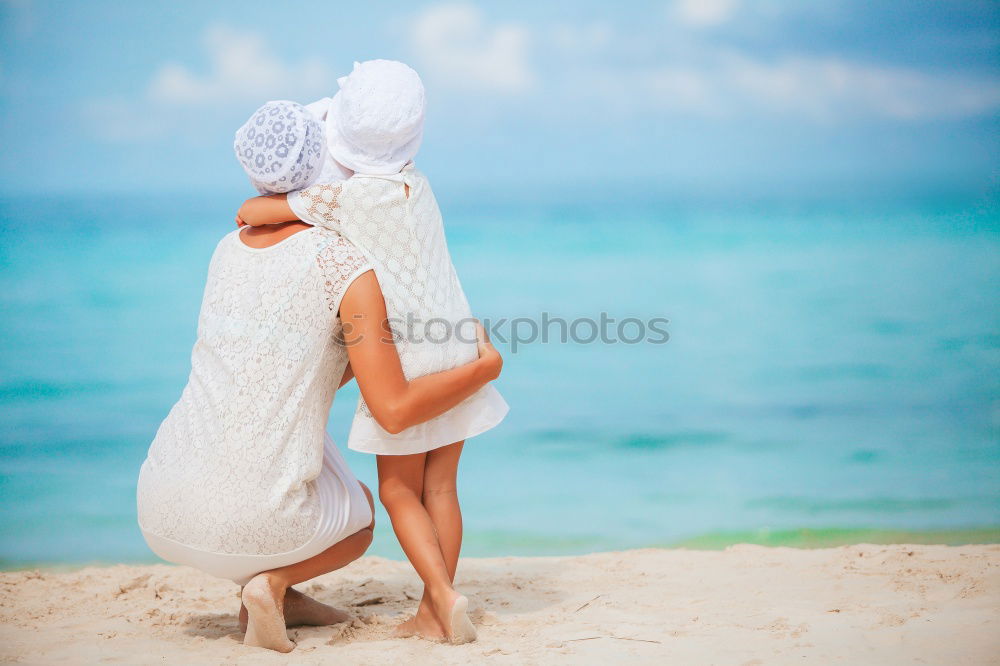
(281, 147)
(375, 122)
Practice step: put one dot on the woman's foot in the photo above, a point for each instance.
(422, 625)
(303, 610)
(264, 599)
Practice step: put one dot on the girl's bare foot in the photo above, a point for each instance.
(451, 609)
(460, 627)
(303, 610)
(422, 625)
(264, 600)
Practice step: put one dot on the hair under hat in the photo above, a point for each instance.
(281, 147)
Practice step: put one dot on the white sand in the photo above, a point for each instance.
(746, 605)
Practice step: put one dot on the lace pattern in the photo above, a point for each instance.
(231, 467)
(281, 147)
(320, 204)
(404, 239)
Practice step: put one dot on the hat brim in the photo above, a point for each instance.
(350, 156)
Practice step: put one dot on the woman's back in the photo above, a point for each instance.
(229, 469)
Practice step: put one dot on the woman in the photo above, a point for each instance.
(241, 480)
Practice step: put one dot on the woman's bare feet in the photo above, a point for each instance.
(264, 601)
(303, 610)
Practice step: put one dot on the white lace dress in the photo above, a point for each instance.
(403, 237)
(241, 476)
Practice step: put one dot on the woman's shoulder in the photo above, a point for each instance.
(340, 262)
(325, 239)
(225, 244)
(227, 240)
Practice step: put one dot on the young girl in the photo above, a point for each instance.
(387, 209)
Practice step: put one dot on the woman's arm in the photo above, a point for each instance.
(270, 209)
(395, 402)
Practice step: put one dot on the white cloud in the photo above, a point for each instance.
(699, 75)
(240, 66)
(591, 66)
(703, 13)
(676, 87)
(456, 47)
(828, 88)
(120, 119)
(697, 78)
(582, 38)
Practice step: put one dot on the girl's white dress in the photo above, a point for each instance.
(242, 477)
(403, 237)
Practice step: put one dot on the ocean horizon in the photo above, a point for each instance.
(831, 374)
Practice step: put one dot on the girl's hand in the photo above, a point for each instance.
(269, 209)
(488, 354)
(239, 221)
(398, 403)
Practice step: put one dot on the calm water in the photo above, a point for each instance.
(826, 369)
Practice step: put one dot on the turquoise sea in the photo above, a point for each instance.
(831, 374)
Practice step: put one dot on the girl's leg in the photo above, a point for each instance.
(440, 499)
(264, 595)
(401, 489)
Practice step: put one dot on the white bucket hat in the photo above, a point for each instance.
(281, 147)
(375, 122)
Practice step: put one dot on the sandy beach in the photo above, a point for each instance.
(861, 604)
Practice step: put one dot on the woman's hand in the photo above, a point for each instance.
(488, 354)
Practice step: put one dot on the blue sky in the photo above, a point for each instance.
(533, 99)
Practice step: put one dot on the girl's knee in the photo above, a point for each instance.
(392, 491)
(440, 492)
